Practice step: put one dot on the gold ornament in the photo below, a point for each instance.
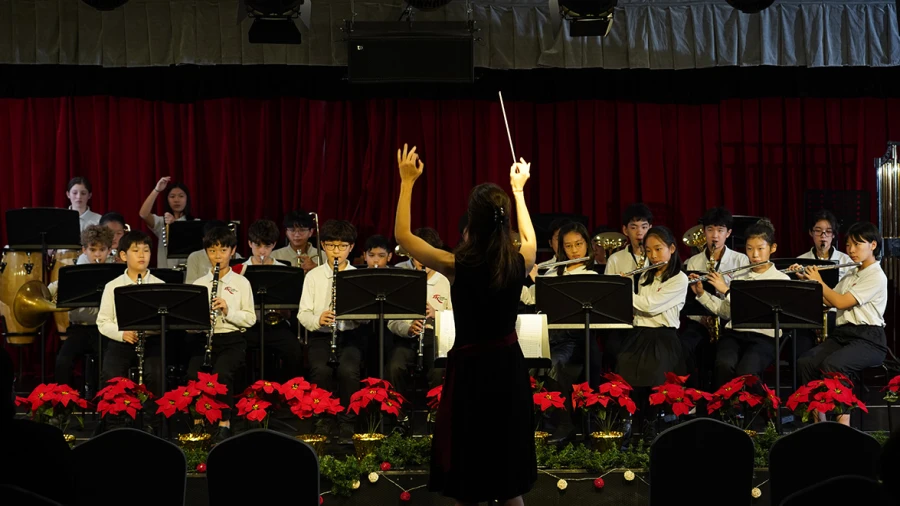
(629, 475)
(355, 485)
(756, 493)
(373, 477)
(562, 484)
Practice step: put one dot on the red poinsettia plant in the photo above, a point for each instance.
(544, 401)
(738, 405)
(379, 394)
(893, 390)
(256, 400)
(54, 405)
(674, 394)
(122, 396)
(198, 398)
(433, 398)
(834, 394)
(608, 404)
(307, 400)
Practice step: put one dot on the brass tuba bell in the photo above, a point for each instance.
(398, 250)
(695, 238)
(610, 242)
(32, 305)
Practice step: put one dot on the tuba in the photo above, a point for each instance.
(695, 238)
(610, 242)
(32, 304)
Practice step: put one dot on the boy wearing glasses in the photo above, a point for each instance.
(316, 314)
(299, 227)
(821, 230)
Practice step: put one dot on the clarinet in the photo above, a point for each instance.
(140, 346)
(420, 356)
(333, 359)
(213, 316)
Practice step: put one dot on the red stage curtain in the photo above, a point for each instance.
(248, 158)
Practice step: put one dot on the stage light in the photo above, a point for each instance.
(750, 6)
(588, 18)
(273, 21)
(105, 5)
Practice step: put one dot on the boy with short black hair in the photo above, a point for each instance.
(233, 302)
(377, 252)
(261, 237)
(636, 221)
(299, 228)
(96, 241)
(135, 250)
(317, 315)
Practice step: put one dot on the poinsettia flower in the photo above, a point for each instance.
(209, 384)
(534, 383)
(627, 403)
(666, 392)
(333, 406)
(266, 386)
(81, 403)
(375, 394)
(600, 399)
(839, 392)
(360, 398)
(42, 394)
(128, 404)
(614, 387)
(893, 385)
(396, 397)
(548, 400)
(838, 377)
(111, 391)
(714, 406)
(580, 392)
(294, 388)
(20, 401)
(183, 397)
(65, 394)
(257, 412)
(821, 407)
(681, 406)
(860, 405)
(434, 396)
(671, 377)
(355, 405)
(168, 405)
(390, 407)
(245, 405)
(297, 408)
(376, 382)
(752, 400)
(696, 395)
(798, 397)
(105, 407)
(210, 408)
(313, 400)
(142, 389)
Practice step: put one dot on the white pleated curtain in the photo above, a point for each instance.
(515, 34)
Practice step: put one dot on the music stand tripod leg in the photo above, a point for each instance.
(587, 361)
(778, 369)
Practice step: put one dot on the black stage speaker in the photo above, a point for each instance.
(403, 52)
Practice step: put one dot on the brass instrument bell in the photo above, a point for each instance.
(399, 250)
(32, 304)
(610, 242)
(694, 237)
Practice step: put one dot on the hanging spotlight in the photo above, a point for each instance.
(587, 18)
(105, 5)
(750, 6)
(273, 21)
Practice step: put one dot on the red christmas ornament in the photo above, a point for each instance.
(599, 484)
(385, 466)
(201, 467)
(405, 496)
(321, 500)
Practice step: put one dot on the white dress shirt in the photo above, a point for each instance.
(623, 261)
(106, 318)
(238, 295)
(88, 218)
(438, 297)
(837, 256)
(659, 304)
(730, 260)
(408, 264)
(723, 307)
(316, 299)
(198, 265)
(869, 288)
(290, 255)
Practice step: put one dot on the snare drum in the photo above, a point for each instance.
(17, 268)
(62, 258)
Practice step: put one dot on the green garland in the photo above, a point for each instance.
(342, 473)
(194, 457)
(762, 443)
(583, 457)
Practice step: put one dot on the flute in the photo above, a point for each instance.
(566, 262)
(644, 269)
(729, 271)
(802, 269)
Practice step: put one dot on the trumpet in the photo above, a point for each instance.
(730, 271)
(802, 269)
(333, 359)
(644, 269)
(140, 346)
(213, 318)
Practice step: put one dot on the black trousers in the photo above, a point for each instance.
(283, 340)
(229, 352)
(343, 381)
(740, 353)
(849, 349)
(82, 340)
(699, 354)
(120, 357)
(403, 358)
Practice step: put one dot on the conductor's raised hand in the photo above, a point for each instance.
(411, 166)
(519, 174)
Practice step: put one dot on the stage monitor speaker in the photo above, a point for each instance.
(403, 52)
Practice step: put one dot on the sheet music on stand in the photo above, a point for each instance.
(534, 338)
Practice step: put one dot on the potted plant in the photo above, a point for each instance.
(198, 399)
(122, 397)
(605, 407)
(672, 393)
(376, 398)
(55, 405)
(834, 395)
(738, 405)
(545, 402)
(312, 402)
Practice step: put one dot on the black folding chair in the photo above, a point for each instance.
(129, 463)
(818, 452)
(11, 494)
(721, 453)
(287, 460)
(838, 490)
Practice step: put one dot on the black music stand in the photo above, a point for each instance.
(82, 286)
(169, 276)
(382, 294)
(42, 229)
(776, 304)
(739, 227)
(162, 307)
(185, 237)
(274, 287)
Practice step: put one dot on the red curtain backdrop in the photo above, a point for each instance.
(247, 158)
